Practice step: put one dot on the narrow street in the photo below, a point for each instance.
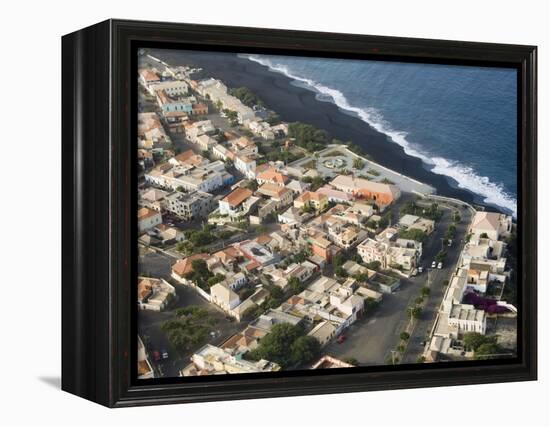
(424, 325)
(371, 339)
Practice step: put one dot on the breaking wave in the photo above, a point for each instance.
(465, 177)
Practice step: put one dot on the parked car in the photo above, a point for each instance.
(341, 339)
(420, 269)
(156, 356)
(440, 265)
(433, 264)
(164, 354)
(450, 243)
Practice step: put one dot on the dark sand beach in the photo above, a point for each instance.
(294, 103)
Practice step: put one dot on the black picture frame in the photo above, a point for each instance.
(99, 222)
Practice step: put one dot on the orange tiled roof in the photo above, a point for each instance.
(184, 266)
(144, 213)
(272, 175)
(144, 288)
(149, 75)
(307, 196)
(237, 196)
(295, 299)
(183, 156)
(227, 253)
(271, 189)
(263, 239)
(252, 265)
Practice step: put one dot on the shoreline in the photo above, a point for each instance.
(295, 103)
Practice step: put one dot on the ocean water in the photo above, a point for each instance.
(461, 121)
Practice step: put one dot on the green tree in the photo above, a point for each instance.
(185, 247)
(487, 351)
(370, 304)
(451, 231)
(338, 261)
(456, 217)
(473, 340)
(358, 163)
(413, 234)
(361, 277)
(414, 312)
(441, 255)
(276, 292)
(374, 265)
(199, 273)
(404, 336)
(295, 285)
(385, 220)
(252, 313)
(307, 136)
(277, 345)
(425, 291)
(251, 185)
(371, 224)
(246, 96)
(340, 272)
(304, 349)
(215, 279)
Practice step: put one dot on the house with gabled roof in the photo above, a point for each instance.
(235, 203)
(224, 297)
(273, 176)
(184, 266)
(492, 224)
(380, 193)
(148, 219)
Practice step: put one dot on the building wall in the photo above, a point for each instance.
(149, 222)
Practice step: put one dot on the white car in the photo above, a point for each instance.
(433, 264)
(450, 243)
(420, 269)
(440, 265)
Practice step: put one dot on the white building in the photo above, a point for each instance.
(465, 318)
(190, 206)
(245, 165)
(154, 294)
(148, 219)
(171, 87)
(492, 224)
(236, 203)
(211, 360)
(187, 177)
(224, 297)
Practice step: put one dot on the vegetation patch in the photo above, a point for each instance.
(246, 96)
(308, 136)
(288, 345)
(189, 329)
(431, 212)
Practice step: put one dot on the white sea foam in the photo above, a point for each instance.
(465, 176)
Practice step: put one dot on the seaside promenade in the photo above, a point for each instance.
(372, 170)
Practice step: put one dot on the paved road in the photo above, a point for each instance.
(370, 340)
(149, 323)
(424, 325)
